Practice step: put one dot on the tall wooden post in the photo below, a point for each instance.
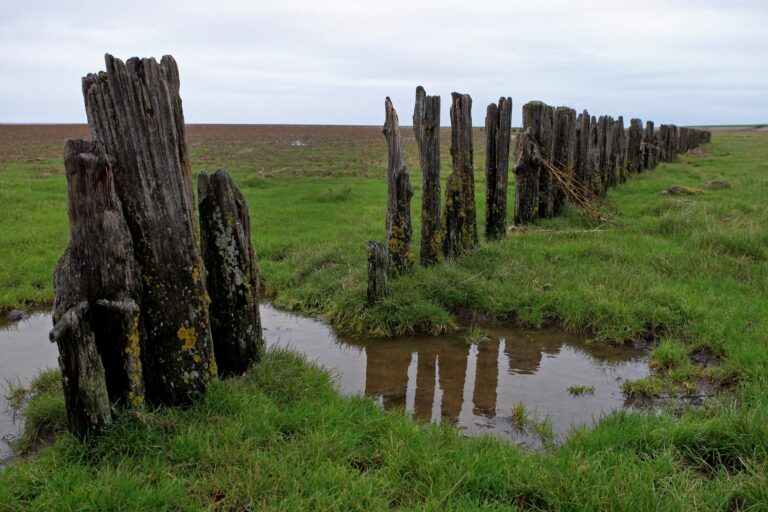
(134, 110)
(564, 150)
(620, 137)
(542, 120)
(399, 194)
(601, 163)
(581, 150)
(232, 278)
(610, 153)
(634, 139)
(459, 220)
(426, 131)
(498, 124)
(534, 195)
(378, 261)
(648, 147)
(527, 178)
(593, 151)
(98, 288)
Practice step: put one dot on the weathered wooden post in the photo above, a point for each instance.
(534, 195)
(527, 178)
(634, 139)
(378, 261)
(581, 151)
(614, 155)
(459, 222)
(399, 194)
(426, 131)
(498, 124)
(684, 139)
(648, 148)
(674, 142)
(621, 150)
(134, 110)
(232, 278)
(564, 151)
(609, 171)
(97, 284)
(600, 163)
(593, 152)
(668, 140)
(542, 120)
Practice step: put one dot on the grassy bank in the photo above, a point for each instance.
(281, 438)
(690, 270)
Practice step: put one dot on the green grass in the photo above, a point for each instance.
(580, 390)
(689, 270)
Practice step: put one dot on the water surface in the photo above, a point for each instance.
(445, 379)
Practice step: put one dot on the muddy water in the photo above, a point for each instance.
(473, 386)
(446, 379)
(24, 351)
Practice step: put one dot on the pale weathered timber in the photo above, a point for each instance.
(498, 125)
(581, 150)
(134, 110)
(399, 194)
(378, 261)
(634, 150)
(529, 162)
(649, 150)
(459, 221)
(426, 131)
(97, 288)
(232, 273)
(563, 151)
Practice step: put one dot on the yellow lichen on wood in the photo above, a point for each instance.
(188, 338)
(133, 348)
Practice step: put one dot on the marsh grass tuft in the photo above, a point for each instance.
(476, 334)
(519, 416)
(579, 390)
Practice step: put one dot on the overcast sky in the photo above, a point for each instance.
(334, 62)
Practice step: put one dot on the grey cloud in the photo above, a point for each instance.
(302, 61)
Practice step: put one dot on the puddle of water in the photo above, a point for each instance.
(24, 351)
(474, 386)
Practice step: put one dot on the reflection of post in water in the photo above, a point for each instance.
(387, 376)
(525, 355)
(386, 373)
(486, 379)
(425, 383)
(452, 362)
(453, 373)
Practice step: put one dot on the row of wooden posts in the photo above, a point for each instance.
(149, 306)
(561, 159)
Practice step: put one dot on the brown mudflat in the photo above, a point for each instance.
(271, 150)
